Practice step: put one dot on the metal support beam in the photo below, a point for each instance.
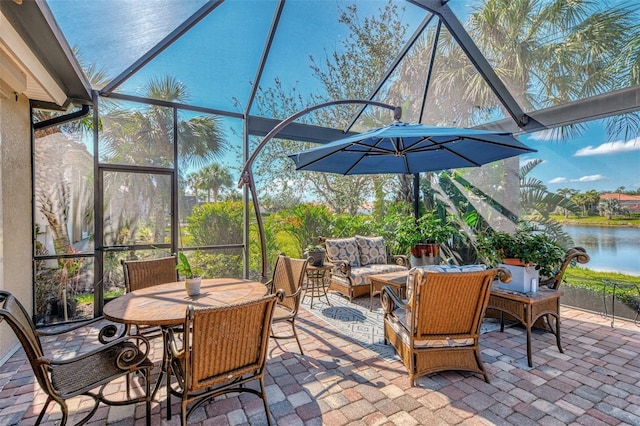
(161, 46)
(622, 101)
(476, 57)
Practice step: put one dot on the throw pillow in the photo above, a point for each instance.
(343, 249)
(372, 250)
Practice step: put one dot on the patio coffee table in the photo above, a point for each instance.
(397, 280)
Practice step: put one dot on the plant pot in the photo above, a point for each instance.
(315, 257)
(192, 285)
(515, 262)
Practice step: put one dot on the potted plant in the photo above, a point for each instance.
(422, 237)
(315, 254)
(526, 248)
(435, 231)
(192, 275)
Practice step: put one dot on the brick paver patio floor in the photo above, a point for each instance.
(337, 382)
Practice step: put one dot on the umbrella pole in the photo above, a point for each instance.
(416, 195)
(246, 178)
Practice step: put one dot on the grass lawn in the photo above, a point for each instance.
(633, 221)
(594, 281)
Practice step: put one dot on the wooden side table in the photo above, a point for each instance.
(317, 284)
(397, 280)
(527, 308)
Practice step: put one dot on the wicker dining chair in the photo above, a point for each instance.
(221, 350)
(149, 272)
(288, 275)
(145, 273)
(68, 377)
(438, 329)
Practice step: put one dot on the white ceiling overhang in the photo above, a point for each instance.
(21, 72)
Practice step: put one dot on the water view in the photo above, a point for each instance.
(612, 249)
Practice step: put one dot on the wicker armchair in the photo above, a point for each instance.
(438, 329)
(288, 275)
(62, 379)
(223, 349)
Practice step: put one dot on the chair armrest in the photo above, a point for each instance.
(398, 259)
(176, 351)
(55, 330)
(281, 295)
(577, 254)
(130, 352)
(390, 300)
(503, 275)
(269, 285)
(341, 268)
(108, 333)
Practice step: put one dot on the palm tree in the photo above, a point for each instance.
(537, 203)
(53, 146)
(215, 177)
(566, 193)
(145, 137)
(610, 207)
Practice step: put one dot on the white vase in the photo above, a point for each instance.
(192, 285)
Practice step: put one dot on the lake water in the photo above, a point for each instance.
(611, 249)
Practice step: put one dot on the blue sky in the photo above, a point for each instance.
(587, 162)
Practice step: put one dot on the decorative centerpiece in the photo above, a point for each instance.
(192, 275)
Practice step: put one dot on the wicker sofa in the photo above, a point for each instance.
(356, 258)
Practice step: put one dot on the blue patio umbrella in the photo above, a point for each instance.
(403, 148)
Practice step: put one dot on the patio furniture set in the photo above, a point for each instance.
(216, 341)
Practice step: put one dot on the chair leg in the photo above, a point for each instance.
(295, 334)
(44, 409)
(183, 412)
(263, 395)
(148, 396)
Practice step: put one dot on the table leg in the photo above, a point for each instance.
(528, 324)
(558, 327)
(372, 290)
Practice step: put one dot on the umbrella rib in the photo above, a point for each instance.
(444, 145)
(380, 151)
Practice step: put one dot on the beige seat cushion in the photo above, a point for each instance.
(399, 323)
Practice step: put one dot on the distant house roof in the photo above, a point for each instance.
(621, 197)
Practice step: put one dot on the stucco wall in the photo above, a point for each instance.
(15, 209)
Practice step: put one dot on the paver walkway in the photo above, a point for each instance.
(595, 382)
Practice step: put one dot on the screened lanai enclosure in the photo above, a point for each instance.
(170, 98)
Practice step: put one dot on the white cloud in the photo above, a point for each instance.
(559, 179)
(591, 178)
(610, 148)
